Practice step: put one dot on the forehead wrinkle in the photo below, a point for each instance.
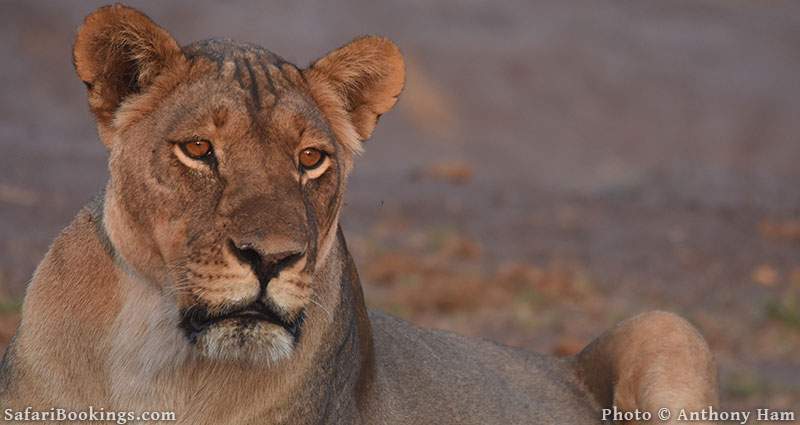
(272, 90)
(221, 49)
(252, 105)
(279, 81)
(263, 67)
(265, 87)
(253, 66)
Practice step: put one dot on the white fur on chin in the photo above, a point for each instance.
(258, 342)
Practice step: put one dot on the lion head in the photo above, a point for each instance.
(227, 167)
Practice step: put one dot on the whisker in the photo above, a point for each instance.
(318, 304)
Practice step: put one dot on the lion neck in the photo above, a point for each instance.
(324, 380)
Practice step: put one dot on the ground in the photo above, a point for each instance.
(552, 167)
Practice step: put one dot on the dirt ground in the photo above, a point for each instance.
(552, 167)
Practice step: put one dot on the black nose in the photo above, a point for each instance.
(266, 265)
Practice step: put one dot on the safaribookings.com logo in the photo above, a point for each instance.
(89, 415)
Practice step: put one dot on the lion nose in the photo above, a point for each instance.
(264, 263)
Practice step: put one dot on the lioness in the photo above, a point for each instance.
(212, 278)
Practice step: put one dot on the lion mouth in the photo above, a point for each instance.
(197, 320)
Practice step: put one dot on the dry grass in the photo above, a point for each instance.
(454, 172)
(788, 229)
(440, 279)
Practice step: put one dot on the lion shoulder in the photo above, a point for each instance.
(78, 269)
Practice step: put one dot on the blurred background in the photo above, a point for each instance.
(551, 168)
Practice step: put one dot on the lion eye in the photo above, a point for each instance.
(311, 158)
(196, 149)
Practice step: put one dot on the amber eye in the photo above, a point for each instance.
(196, 149)
(311, 158)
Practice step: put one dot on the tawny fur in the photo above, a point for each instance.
(100, 322)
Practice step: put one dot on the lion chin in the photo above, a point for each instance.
(255, 334)
(245, 340)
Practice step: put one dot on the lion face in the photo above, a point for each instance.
(243, 176)
(227, 168)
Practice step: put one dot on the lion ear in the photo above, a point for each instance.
(366, 75)
(119, 52)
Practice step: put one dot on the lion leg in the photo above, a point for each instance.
(652, 361)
